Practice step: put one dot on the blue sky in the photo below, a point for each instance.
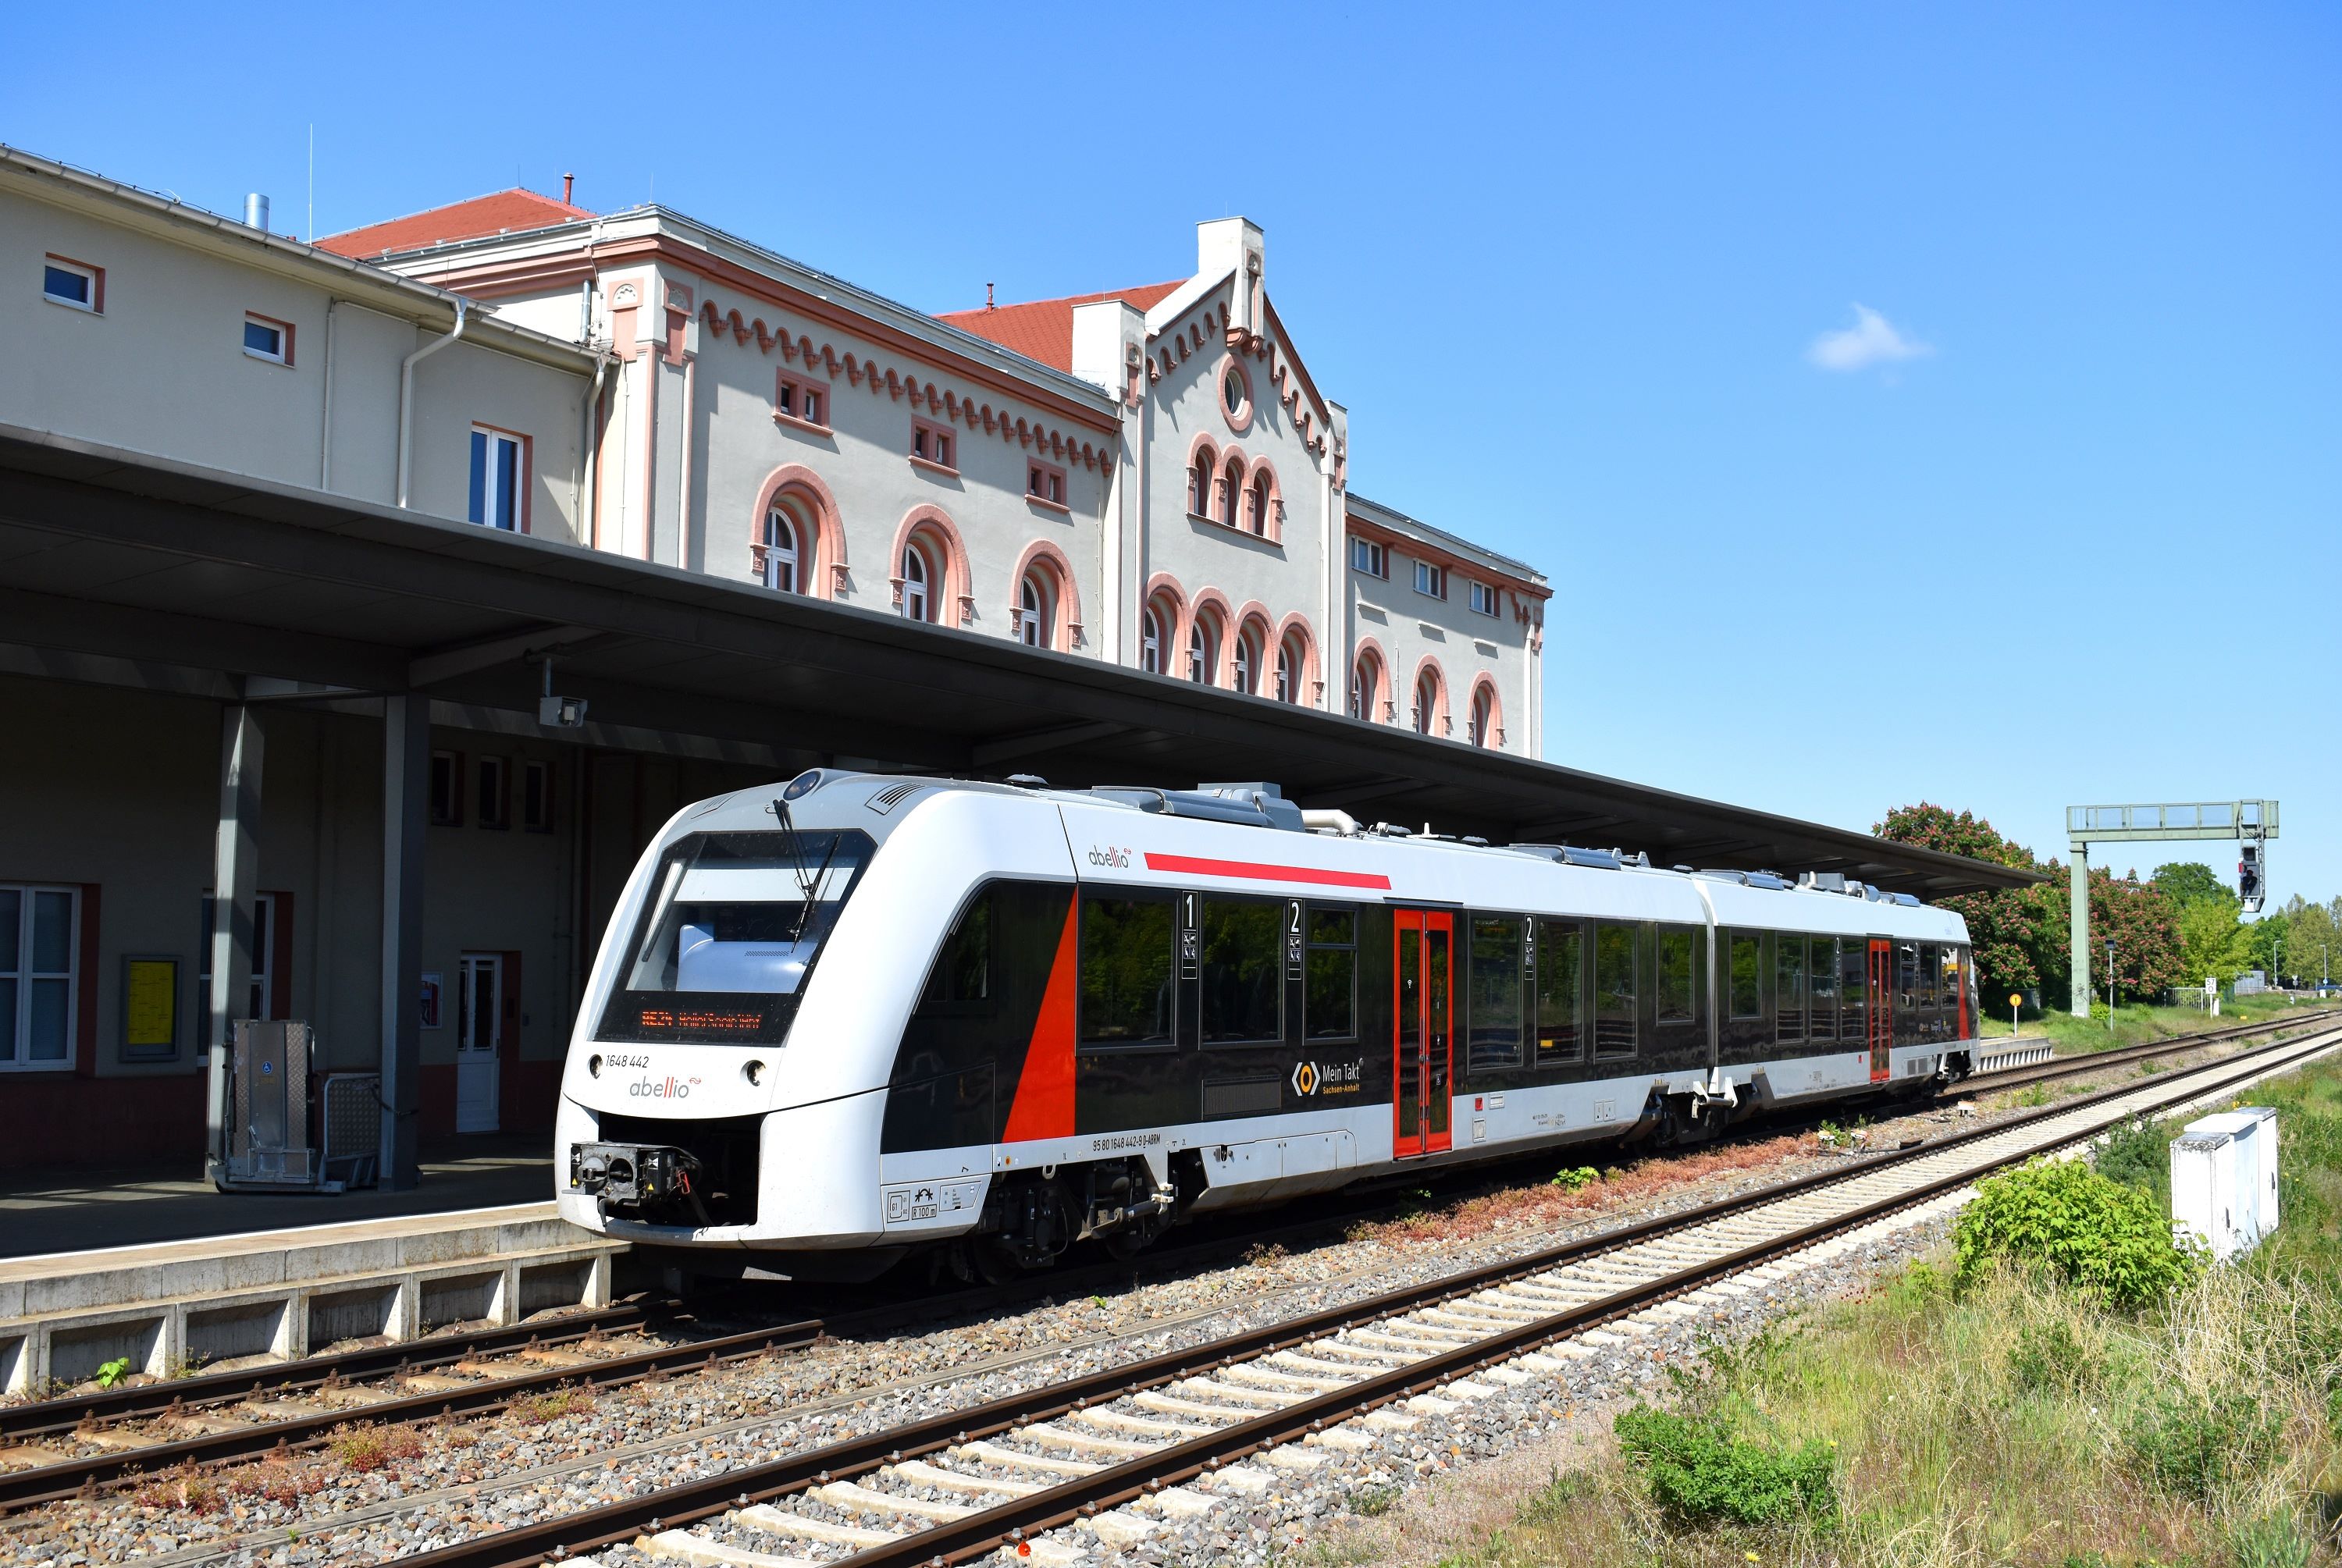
(1570, 269)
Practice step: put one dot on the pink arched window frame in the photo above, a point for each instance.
(1493, 737)
(1310, 680)
(933, 527)
(1440, 723)
(1064, 598)
(1381, 705)
(824, 574)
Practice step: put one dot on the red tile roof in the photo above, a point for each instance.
(513, 211)
(1043, 329)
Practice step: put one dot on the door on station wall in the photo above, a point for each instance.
(1422, 1031)
(1881, 1010)
(479, 1039)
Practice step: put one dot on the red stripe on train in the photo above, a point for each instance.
(1253, 871)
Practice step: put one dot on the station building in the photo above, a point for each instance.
(297, 534)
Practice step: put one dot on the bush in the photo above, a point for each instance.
(2088, 1230)
(2192, 1444)
(2137, 1154)
(1577, 1180)
(2048, 1359)
(1701, 1474)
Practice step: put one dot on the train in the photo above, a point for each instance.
(857, 1018)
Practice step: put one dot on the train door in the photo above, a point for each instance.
(1422, 1031)
(1880, 1014)
(479, 1035)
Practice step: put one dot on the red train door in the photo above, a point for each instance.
(1881, 1012)
(1422, 1032)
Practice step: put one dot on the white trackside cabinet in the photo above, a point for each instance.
(2263, 1119)
(2215, 1181)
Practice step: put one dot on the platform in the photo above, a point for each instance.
(236, 1276)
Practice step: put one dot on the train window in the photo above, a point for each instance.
(1560, 1005)
(1678, 974)
(1330, 1000)
(1823, 974)
(1617, 983)
(1853, 987)
(963, 971)
(1494, 993)
(1930, 995)
(1906, 974)
(1244, 944)
(1125, 970)
(1790, 990)
(1747, 951)
(734, 915)
(1954, 970)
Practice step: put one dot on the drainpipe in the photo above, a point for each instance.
(406, 395)
(588, 505)
(326, 440)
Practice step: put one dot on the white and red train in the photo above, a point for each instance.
(857, 1015)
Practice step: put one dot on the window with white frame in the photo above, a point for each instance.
(931, 442)
(1484, 718)
(1484, 597)
(1035, 609)
(493, 785)
(1202, 651)
(781, 558)
(1370, 557)
(72, 284)
(1288, 670)
(537, 797)
(1247, 664)
(40, 953)
(265, 337)
(1430, 581)
(264, 942)
(1427, 704)
(1151, 639)
(499, 470)
(1366, 680)
(918, 596)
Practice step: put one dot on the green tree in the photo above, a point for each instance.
(2212, 940)
(2270, 941)
(2185, 882)
(2005, 928)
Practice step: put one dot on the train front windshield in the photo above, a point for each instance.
(733, 927)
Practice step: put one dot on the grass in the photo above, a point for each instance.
(2021, 1422)
(2134, 1023)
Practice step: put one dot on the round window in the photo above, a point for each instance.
(1232, 388)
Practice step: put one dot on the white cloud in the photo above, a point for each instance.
(1871, 340)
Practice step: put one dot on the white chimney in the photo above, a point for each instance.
(255, 212)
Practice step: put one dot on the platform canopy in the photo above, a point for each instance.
(127, 568)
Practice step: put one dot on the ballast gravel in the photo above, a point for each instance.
(491, 1472)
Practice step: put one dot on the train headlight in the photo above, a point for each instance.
(593, 1066)
(753, 1069)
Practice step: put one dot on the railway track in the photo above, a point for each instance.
(223, 1417)
(2074, 1066)
(1121, 1453)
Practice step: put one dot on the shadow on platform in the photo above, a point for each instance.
(94, 1207)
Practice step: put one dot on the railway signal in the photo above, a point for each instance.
(2250, 877)
(2250, 821)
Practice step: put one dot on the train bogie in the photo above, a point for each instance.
(862, 1016)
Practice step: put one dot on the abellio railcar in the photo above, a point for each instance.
(835, 1022)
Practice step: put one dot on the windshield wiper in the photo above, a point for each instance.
(807, 886)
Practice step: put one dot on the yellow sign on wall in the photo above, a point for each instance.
(150, 1010)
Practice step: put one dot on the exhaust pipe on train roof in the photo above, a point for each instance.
(1340, 822)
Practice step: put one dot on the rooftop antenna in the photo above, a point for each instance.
(311, 237)
(987, 296)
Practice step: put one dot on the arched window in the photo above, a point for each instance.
(1426, 702)
(1150, 641)
(1288, 672)
(1199, 483)
(1365, 684)
(1484, 718)
(919, 593)
(1247, 662)
(1256, 518)
(1204, 649)
(781, 559)
(1231, 491)
(1033, 609)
